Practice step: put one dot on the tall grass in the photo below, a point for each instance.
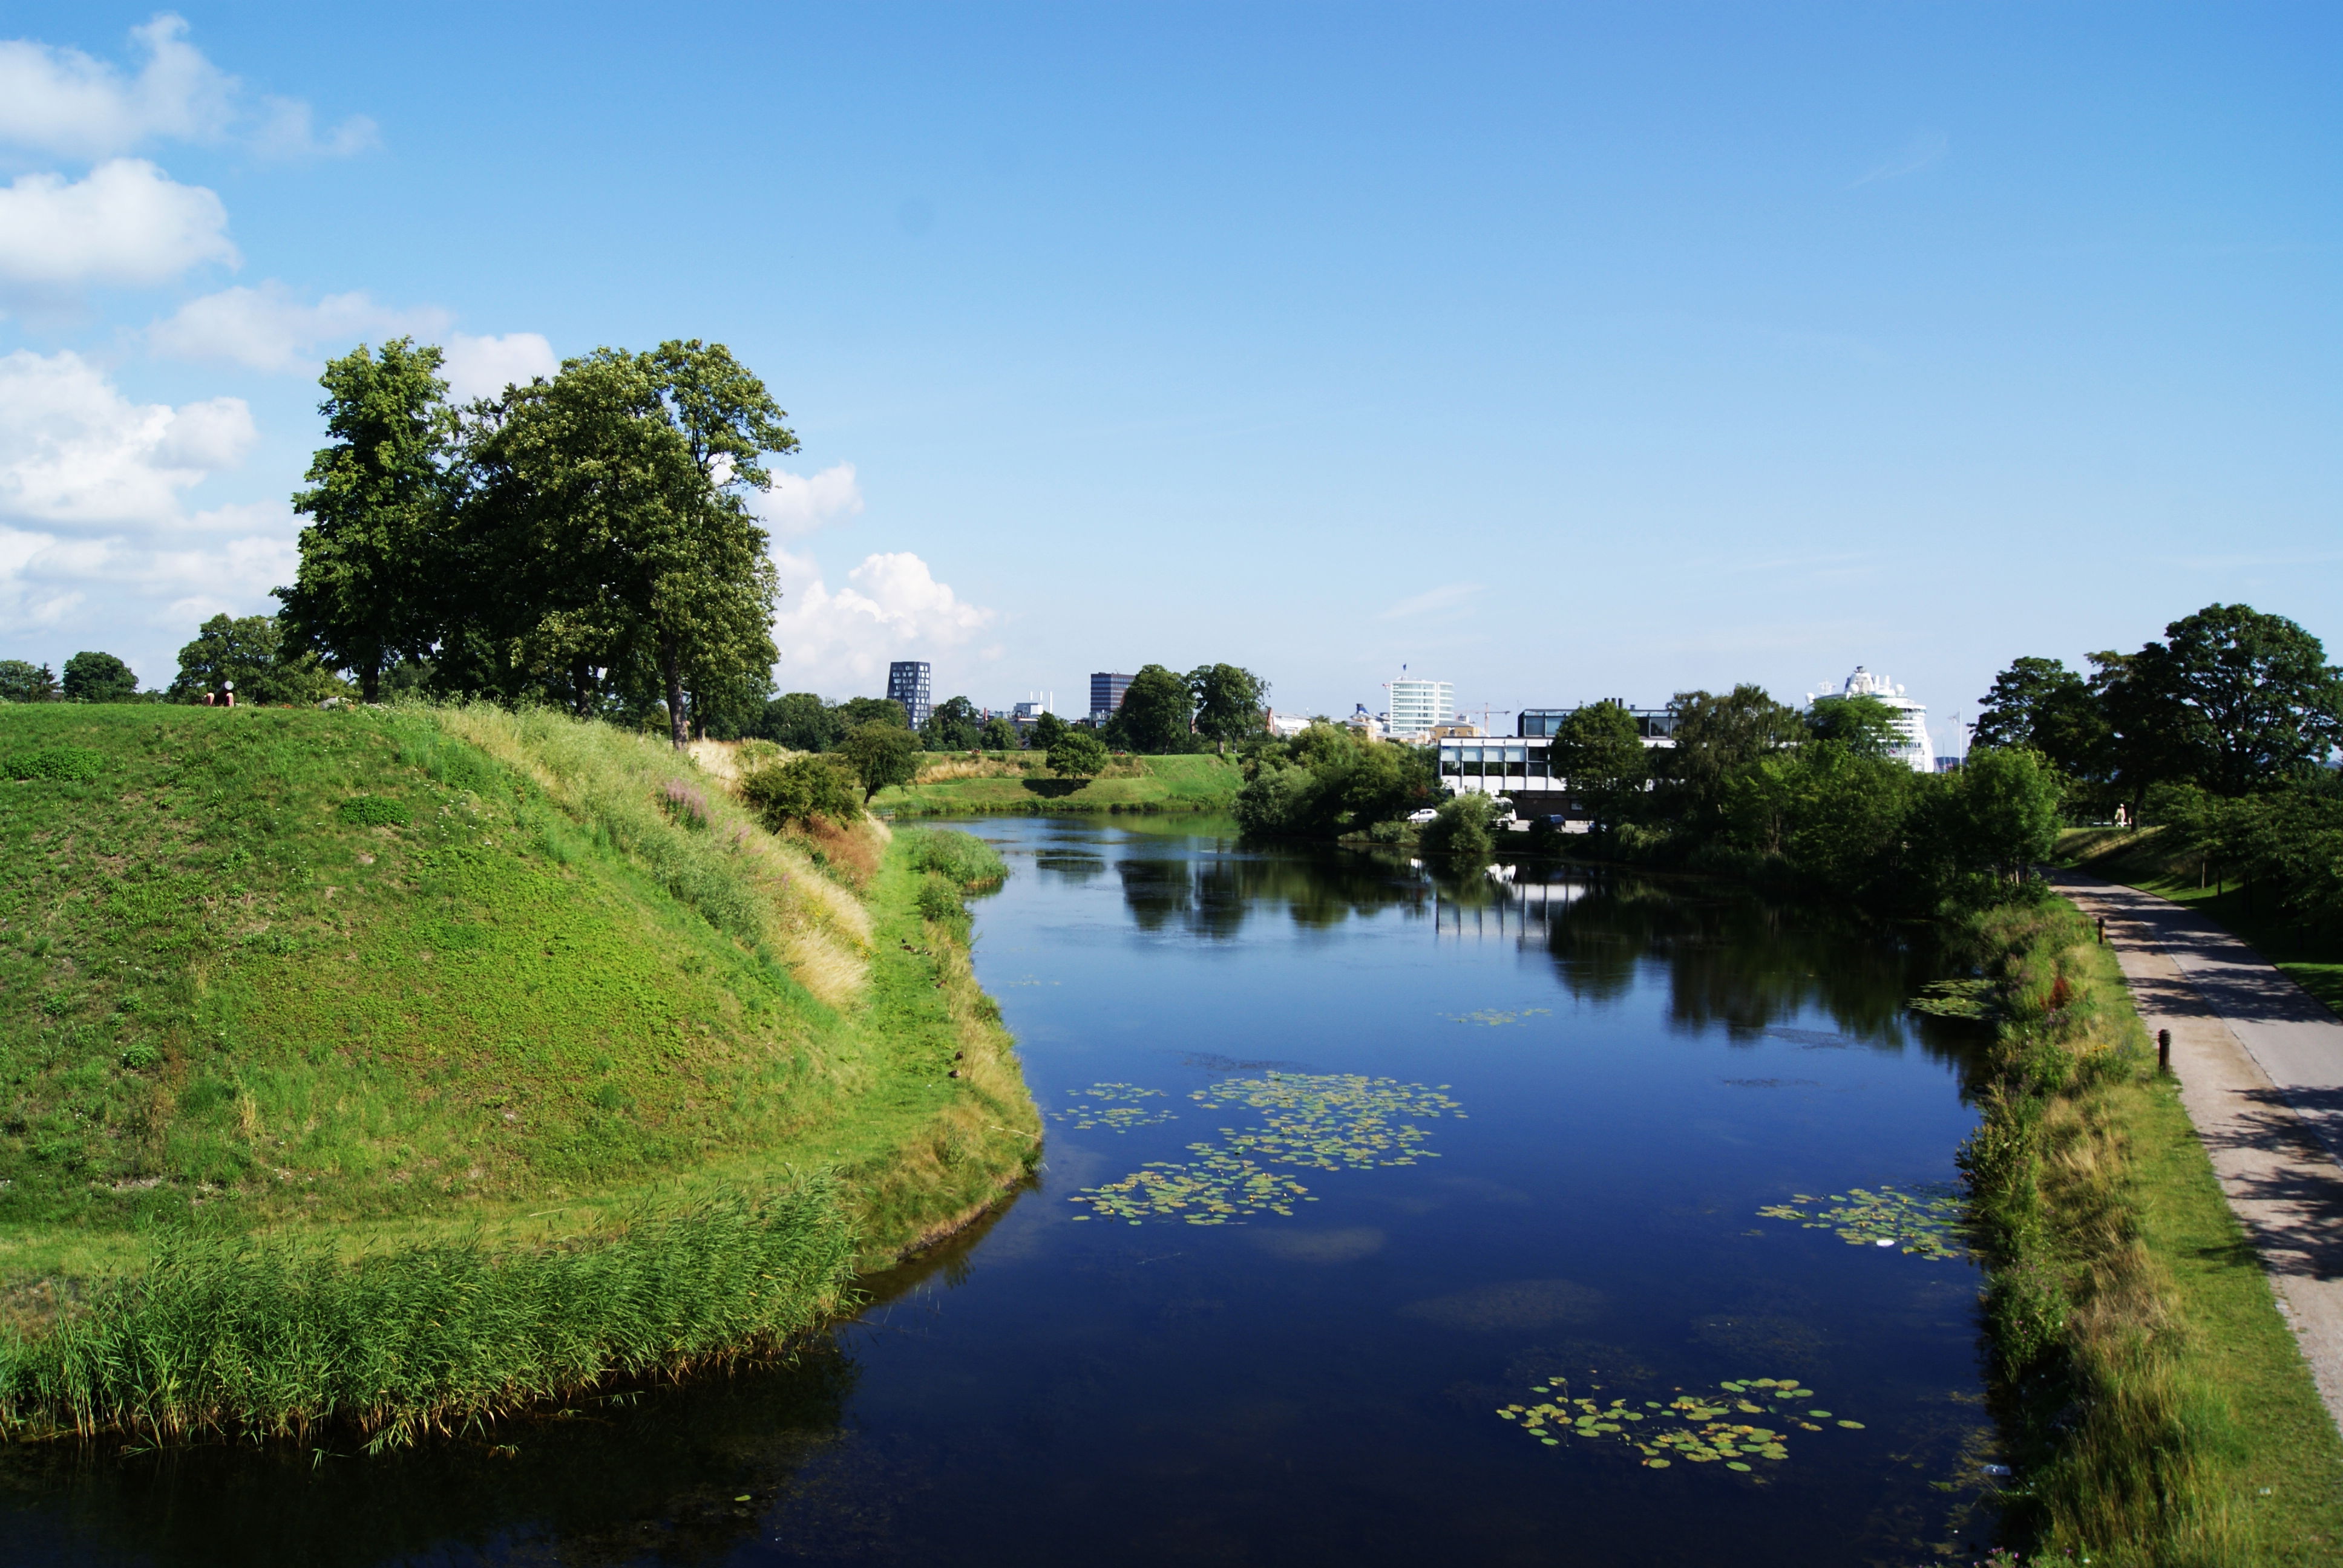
(2124, 1444)
(265, 1339)
(962, 859)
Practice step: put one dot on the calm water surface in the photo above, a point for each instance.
(1642, 1067)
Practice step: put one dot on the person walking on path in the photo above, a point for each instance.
(2260, 1065)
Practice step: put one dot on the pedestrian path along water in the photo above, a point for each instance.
(2260, 1065)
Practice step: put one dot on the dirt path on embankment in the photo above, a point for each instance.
(2260, 1065)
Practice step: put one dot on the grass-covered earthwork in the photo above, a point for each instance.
(310, 996)
(1018, 782)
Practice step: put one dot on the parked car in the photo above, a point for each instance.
(1421, 818)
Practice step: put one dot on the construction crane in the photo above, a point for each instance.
(1485, 712)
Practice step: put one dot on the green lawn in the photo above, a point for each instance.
(381, 975)
(1194, 783)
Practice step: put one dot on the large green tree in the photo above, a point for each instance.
(373, 570)
(1228, 702)
(952, 726)
(613, 550)
(800, 722)
(1600, 753)
(21, 681)
(99, 678)
(1717, 736)
(1866, 725)
(1078, 754)
(250, 652)
(2251, 697)
(1156, 713)
(2040, 703)
(857, 712)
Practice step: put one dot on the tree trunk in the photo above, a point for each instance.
(370, 681)
(671, 666)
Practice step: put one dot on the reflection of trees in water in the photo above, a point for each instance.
(1070, 865)
(650, 1482)
(1748, 963)
(1213, 896)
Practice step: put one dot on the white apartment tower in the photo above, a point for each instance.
(1417, 704)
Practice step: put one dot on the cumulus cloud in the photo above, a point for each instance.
(74, 453)
(272, 328)
(892, 607)
(127, 222)
(484, 366)
(62, 101)
(799, 503)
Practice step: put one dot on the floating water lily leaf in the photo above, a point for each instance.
(1114, 1117)
(1972, 999)
(1322, 1122)
(1693, 1427)
(1924, 1222)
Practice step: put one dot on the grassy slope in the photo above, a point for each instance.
(1198, 783)
(2172, 1393)
(536, 1005)
(2136, 858)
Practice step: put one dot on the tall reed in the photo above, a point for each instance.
(265, 1338)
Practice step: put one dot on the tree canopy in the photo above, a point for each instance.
(1862, 724)
(22, 682)
(99, 678)
(881, 755)
(1078, 754)
(250, 652)
(1228, 702)
(1155, 714)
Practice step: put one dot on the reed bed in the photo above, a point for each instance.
(264, 1339)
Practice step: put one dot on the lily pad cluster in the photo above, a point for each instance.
(1116, 1117)
(1972, 999)
(1211, 1190)
(1322, 1122)
(1491, 1018)
(1922, 1223)
(1331, 1121)
(1745, 1423)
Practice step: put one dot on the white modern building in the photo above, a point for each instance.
(1417, 704)
(1913, 749)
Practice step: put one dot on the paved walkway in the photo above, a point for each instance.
(2260, 1065)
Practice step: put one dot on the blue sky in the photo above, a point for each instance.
(1560, 352)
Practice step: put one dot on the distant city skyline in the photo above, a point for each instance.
(1556, 352)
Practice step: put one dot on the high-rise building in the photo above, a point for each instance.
(909, 683)
(1106, 694)
(1417, 704)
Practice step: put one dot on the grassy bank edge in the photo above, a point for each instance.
(409, 1330)
(2157, 1408)
(1199, 782)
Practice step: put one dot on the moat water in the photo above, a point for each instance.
(1345, 1329)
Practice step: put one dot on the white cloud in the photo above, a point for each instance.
(894, 609)
(75, 453)
(62, 101)
(484, 366)
(127, 222)
(271, 328)
(798, 504)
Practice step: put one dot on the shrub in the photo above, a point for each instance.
(1461, 830)
(800, 790)
(63, 764)
(938, 900)
(962, 859)
(376, 811)
(1078, 754)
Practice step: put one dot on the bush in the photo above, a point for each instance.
(938, 900)
(1078, 754)
(376, 811)
(1461, 830)
(62, 764)
(800, 791)
(962, 859)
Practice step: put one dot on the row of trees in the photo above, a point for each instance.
(584, 541)
(1164, 713)
(89, 676)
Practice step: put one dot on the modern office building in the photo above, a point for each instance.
(1912, 748)
(1106, 694)
(1519, 768)
(909, 682)
(1417, 704)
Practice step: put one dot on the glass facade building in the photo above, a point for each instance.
(909, 683)
(1106, 694)
(1416, 706)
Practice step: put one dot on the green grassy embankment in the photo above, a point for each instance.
(2158, 1410)
(2138, 858)
(397, 1068)
(1008, 781)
